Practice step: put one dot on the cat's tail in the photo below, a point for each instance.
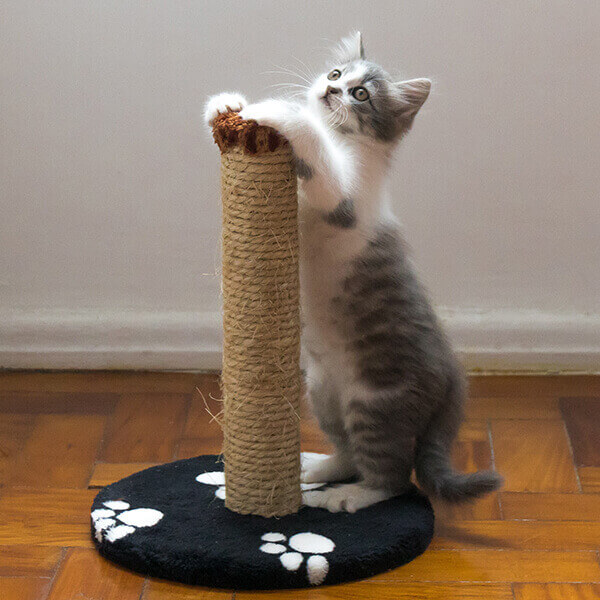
(437, 477)
(432, 462)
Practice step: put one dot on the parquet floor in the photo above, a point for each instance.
(63, 435)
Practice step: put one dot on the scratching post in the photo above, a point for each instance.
(261, 321)
(190, 521)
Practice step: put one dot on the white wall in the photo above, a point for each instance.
(109, 219)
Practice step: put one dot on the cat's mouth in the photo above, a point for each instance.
(325, 99)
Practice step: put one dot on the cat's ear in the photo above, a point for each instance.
(412, 95)
(350, 48)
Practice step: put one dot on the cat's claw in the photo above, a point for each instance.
(222, 103)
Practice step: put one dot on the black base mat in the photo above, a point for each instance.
(189, 536)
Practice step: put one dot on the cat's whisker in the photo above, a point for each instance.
(296, 85)
(285, 71)
(304, 75)
(346, 115)
(286, 93)
(306, 70)
(337, 112)
(294, 95)
(331, 117)
(335, 116)
(294, 74)
(280, 71)
(292, 91)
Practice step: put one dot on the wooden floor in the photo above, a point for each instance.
(62, 436)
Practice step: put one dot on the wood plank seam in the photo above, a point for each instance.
(493, 463)
(100, 446)
(186, 414)
(143, 590)
(582, 418)
(573, 462)
(59, 565)
(103, 441)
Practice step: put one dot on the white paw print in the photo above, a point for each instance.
(115, 520)
(217, 478)
(214, 478)
(291, 558)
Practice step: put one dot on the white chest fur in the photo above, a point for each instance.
(326, 255)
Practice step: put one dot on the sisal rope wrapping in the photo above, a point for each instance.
(261, 320)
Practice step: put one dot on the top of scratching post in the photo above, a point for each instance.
(230, 130)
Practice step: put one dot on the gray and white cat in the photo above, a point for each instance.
(381, 376)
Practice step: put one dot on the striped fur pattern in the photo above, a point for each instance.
(382, 378)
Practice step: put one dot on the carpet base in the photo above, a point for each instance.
(170, 521)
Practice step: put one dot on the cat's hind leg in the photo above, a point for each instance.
(325, 402)
(381, 430)
(328, 469)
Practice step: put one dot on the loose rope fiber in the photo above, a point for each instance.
(261, 320)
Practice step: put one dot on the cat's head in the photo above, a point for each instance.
(358, 98)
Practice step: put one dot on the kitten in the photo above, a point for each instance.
(381, 376)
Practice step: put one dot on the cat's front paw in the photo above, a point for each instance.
(349, 497)
(222, 103)
(277, 114)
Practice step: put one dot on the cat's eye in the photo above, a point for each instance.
(360, 93)
(335, 74)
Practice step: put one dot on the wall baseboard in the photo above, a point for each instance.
(92, 339)
(186, 340)
(525, 340)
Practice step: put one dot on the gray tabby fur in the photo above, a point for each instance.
(402, 354)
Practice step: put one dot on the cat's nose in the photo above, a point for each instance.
(332, 90)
